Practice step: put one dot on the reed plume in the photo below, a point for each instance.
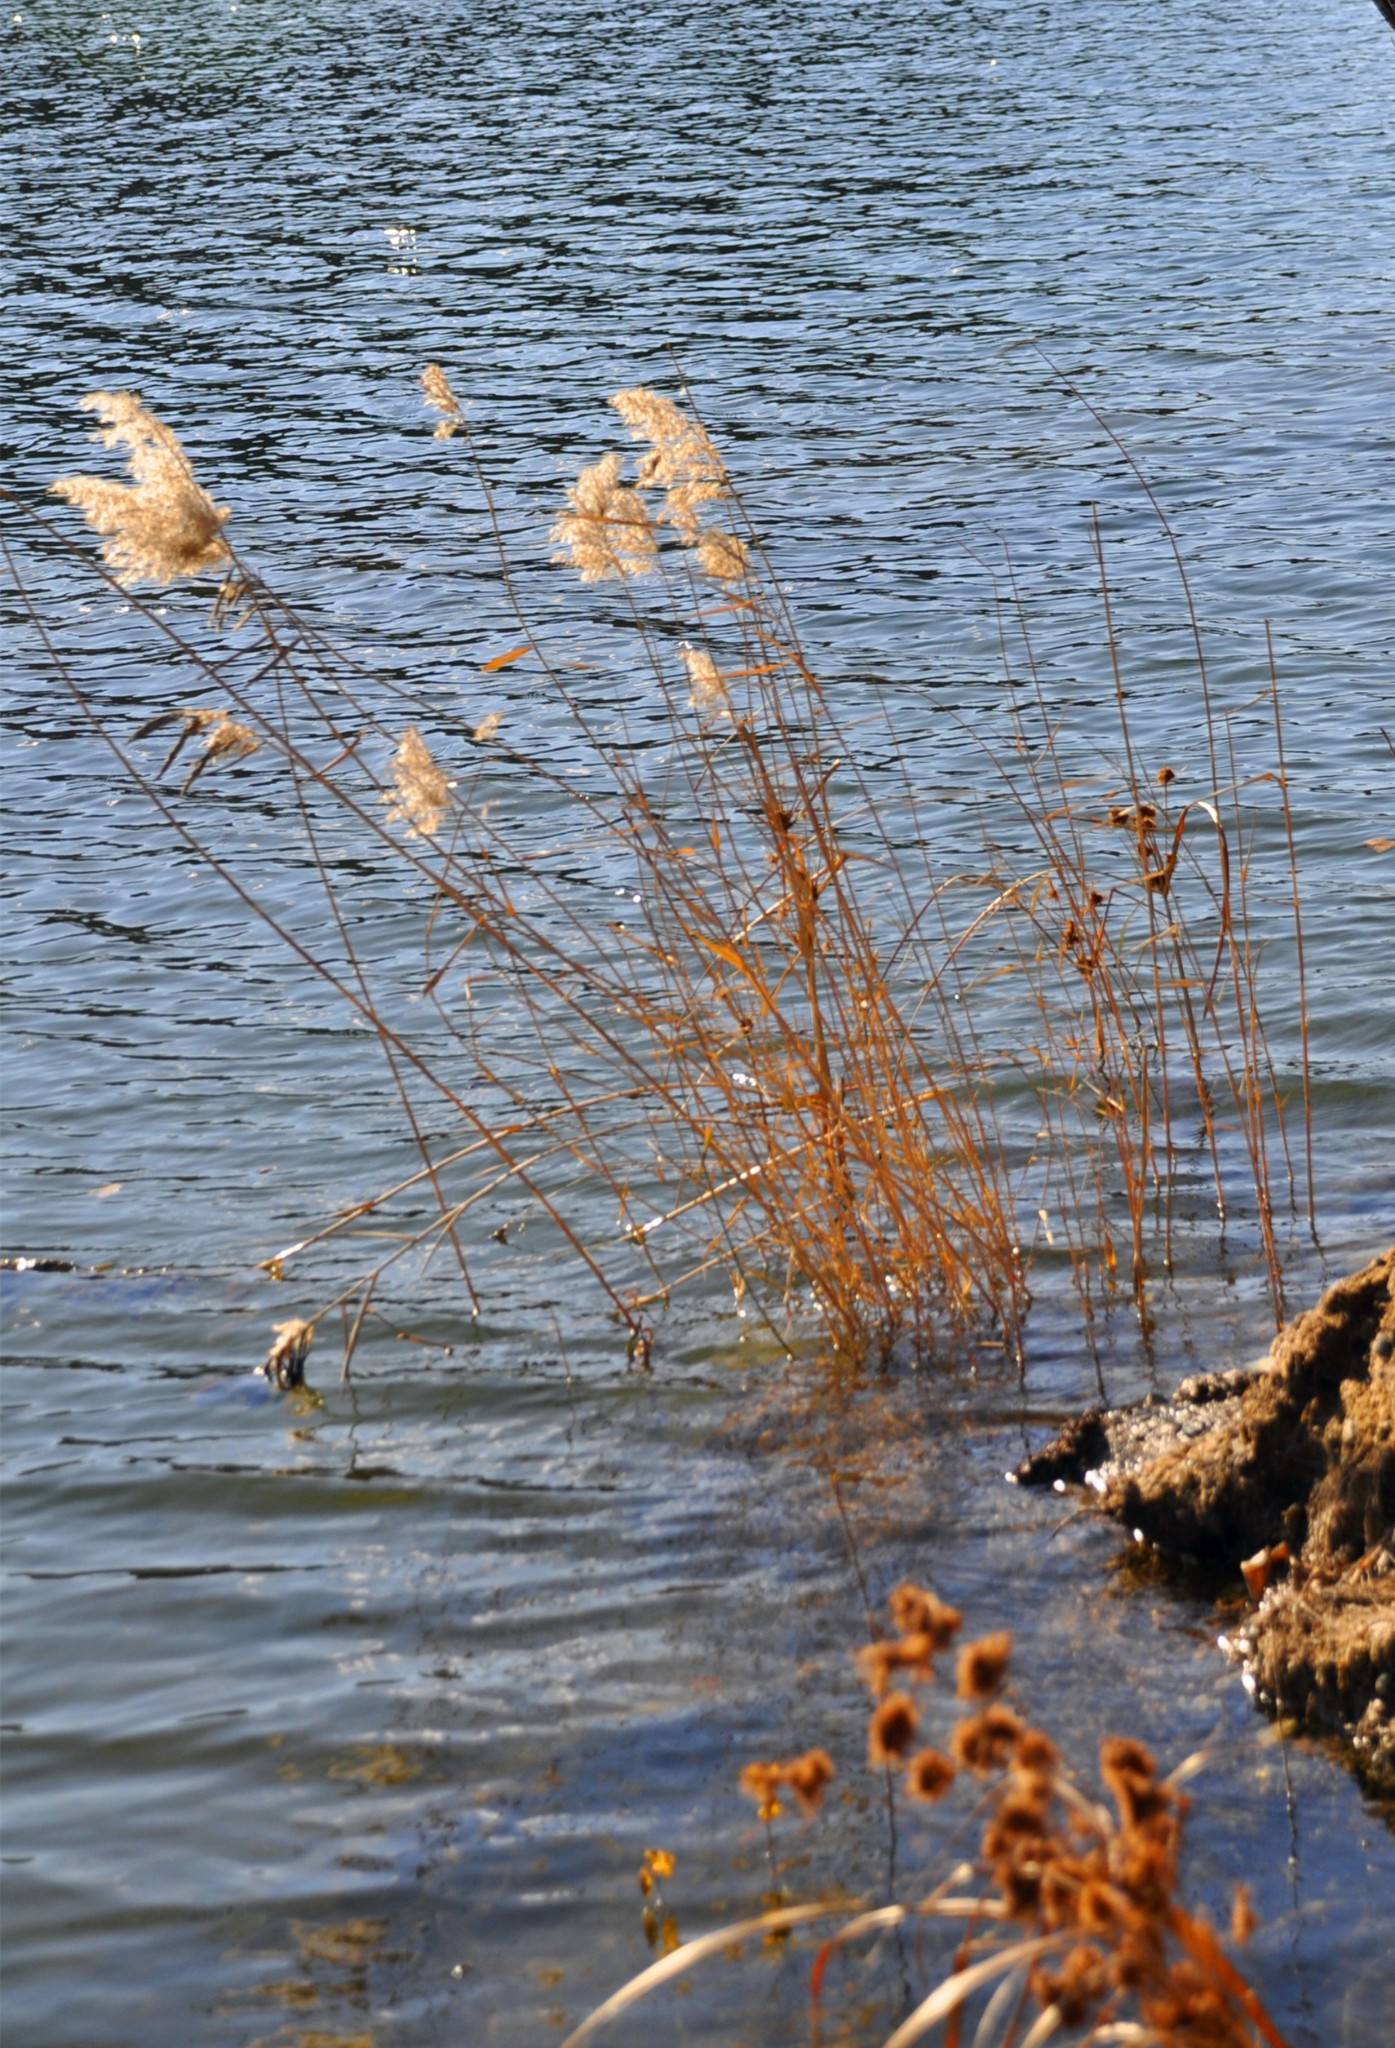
(436, 389)
(163, 525)
(606, 531)
(682, 460)
(419, 793)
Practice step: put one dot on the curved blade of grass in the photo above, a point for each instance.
(695, 1952)
(947, 1997)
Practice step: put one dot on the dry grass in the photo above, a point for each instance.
(784, 1062)
(1073, 1926)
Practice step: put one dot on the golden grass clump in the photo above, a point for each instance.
(789, 1049)
(807, 1776)
(161, 526)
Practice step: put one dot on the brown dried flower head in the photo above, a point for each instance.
(917, 1611)
(982, 1666)
(162, 525)
(1129, 1771)
(761, 1781)
(606, 531)
(808, 1777)
(1076, 1987)
(1035, 1754)
(929, 1775)
(1021, 1815)
(420, 793)
(891, 1730)
(657, 1865)
(984, 1742)
(876, 1662)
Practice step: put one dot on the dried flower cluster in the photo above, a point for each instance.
(162, 525)
(1077, 1930)
(420, 793)
(807, 1777)
(1094, 1893)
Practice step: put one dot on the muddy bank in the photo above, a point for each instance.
(1285, 1473)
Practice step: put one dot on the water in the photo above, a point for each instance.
(309, 1706)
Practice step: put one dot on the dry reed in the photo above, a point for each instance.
(775, 1065)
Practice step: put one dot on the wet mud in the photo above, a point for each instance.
(1283, 1473)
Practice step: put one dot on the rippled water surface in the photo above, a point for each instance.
(350, 1719)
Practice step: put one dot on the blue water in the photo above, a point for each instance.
(435, 1660)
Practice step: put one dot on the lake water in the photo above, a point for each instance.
(351, 1722)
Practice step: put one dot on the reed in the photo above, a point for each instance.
(804, 1057)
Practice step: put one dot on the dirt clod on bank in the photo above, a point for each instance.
(1288, 1472)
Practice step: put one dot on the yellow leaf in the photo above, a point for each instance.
(503, 660)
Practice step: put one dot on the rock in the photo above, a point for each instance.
(1295, 1459)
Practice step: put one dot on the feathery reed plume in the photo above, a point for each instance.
(722, 556)
(439, 396)
(709, 695)
(161, 526)
(606, 532)
(420, 793)
(682, 460)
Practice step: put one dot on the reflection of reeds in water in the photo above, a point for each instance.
(1073, 1926)
(801, 1057)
